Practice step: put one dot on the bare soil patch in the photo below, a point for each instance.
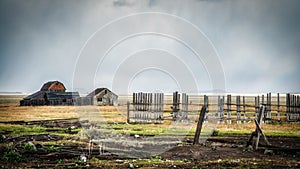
(59, 151)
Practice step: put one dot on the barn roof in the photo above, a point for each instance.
(99, 90)
(47, 85)
(36, 95)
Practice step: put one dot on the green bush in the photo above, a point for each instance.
(28, 147)
(10, 155)
(54, 148)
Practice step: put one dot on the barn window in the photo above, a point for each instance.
(99, 99)
(105, 91)
(64, 100)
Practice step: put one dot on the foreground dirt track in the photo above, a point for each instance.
(216, 152)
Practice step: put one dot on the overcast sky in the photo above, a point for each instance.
(152, 45)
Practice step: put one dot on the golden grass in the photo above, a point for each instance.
(13, 112)
(277, 129)
(117, 115)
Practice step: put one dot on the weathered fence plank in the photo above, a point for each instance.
(199, 124)
(256, 132)
(238, 109)
(220, 108)
(206, 103)
(278, 107)
(229, 109)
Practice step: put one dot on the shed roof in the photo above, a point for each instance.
(99, 90)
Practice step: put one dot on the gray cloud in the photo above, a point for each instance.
(257, 41)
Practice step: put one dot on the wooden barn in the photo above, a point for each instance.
(51, 93)
(103, 97)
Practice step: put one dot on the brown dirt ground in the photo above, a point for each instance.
(216, 152)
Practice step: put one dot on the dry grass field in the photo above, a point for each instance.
(111, 114)
(60, 140)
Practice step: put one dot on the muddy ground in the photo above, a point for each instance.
(65, 151)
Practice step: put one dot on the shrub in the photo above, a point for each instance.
(54, 148)
(29, 147)
(10, 155)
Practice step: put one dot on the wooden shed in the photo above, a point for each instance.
(103, 97)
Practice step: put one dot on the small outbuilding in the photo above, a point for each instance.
(103, 97)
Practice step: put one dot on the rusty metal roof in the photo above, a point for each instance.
(47, 85)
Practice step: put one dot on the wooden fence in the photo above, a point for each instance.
(156, 107)
(147, 107)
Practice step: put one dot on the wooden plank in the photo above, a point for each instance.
(278, 107)
(206, 103)
(298, 104)
(222, 111)
(199, 125)
(219, 109)
(128, 112)
(260, 116)
(258, 127)
(162, 107)
(256, 106)
(187, 107)
(244, 109)
(238, 109)
(229, 109)
(288, 103)
(256, 133)
(294, 104)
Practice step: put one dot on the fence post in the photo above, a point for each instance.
(238, 110)
(128, 112)
(156, 107)
(219, 109)
(294, 104)
(257, 133)
(199, 125)
(259, 122)
(298, 104)
(256, 104)
(287, 103)
(278, 107)
(244, 109)
(229, 109)
(184, 106)
(267, 115)
(176, 102)
(223, 101)
(206, 105)
(162, 106)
